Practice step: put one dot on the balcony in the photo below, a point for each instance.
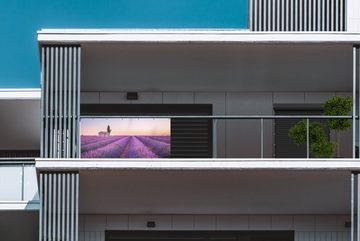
(18, 184)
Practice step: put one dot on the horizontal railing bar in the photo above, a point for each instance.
(217, 117)
(18, 163)
(17, 160)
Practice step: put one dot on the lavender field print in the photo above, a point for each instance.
(125, 138)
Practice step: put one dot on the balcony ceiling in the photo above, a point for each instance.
(212, 67)
(215, 192)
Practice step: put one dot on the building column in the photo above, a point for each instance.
(59, 206)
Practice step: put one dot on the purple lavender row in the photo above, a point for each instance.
(85, 140)
(165, 139)
(160, 148)
(101, 143)
(138, 150)
(112, 150)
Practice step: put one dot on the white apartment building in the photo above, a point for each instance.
(226, 169)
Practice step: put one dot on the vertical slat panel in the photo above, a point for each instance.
(70, 100)
(41, 203)
(314, 17)
(341, 15)
(332, 15)
(45, 197)
(282, 15)
(61, 117)
(278, 14)
(301, 15)
(51, 107)
(63, 207)
(50, 206)
(251, 15)
(77, 208)
(67, 207)
(323, 24)
(296, 9)
(269, 10)
(72, 207)
(66, 109)
(54, 207)
(328, 28)
(336, 15)
(305, 15)
(74, 103)
(261, 24)
(47, 112)
(287, 2)
(291, 15)
(58, 236)
(43, 81)
(256, 15)
(78, 102)
(56, 131)
(297, 15)
(318, 15)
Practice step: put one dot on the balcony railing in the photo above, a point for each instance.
(263, 124)
(18, 183)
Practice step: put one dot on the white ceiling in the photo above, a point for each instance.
(214, 192)
(20, 123)
(216, 67)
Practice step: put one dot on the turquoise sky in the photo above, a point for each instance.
(20, 19)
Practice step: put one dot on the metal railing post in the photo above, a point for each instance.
(307, 138)
(352, 208)
(262, 137)
(214, 138)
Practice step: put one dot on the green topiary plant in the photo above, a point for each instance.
(338, 106)
(320, 145)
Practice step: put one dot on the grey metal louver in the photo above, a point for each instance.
(60, 101)
(297, 15)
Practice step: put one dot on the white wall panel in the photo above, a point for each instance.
(95, 222)
(304, 223)
(139, 222)
(149, 98)
(117, 222)
(178, 98)
(317, 97)
(289, 97)
(282, 222)
(232, 222)
(90, 98)
(183, 222)
(260, 222)
(205, 222)
(340, 222)
(325, 223)
(11, 183)
(113, 98)
(303, 231)
(30, 183)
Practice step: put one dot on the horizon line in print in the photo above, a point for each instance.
(125, 137)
